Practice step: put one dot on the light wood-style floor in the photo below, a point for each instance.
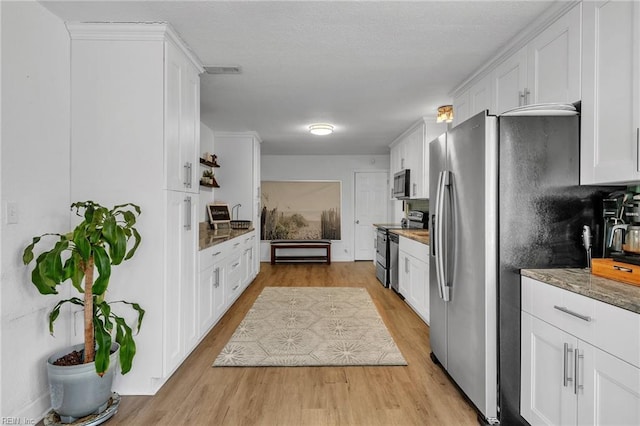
(198, 394)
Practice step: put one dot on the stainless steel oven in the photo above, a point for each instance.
(382, 250)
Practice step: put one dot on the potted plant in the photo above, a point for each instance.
(104, 238)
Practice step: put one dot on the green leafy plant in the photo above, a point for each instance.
(104, 238)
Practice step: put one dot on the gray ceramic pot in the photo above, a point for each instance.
(77, 391)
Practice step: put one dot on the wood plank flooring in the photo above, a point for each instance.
(198, 394)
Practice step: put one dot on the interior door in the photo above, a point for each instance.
(370, 207)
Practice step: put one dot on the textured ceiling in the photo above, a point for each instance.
(370, 68)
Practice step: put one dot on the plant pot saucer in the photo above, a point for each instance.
(52, 418)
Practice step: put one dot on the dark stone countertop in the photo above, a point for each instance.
(209, 237)
(416, 234)
(581, 281)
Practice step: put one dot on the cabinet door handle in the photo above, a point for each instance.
(236, 245)
(415, 189)
(402, 163)
(217, 283)
(576, 373)
(187, 224)
(570, 312)
(188, 167)
(235, 288)
(565, 373)
(406, 265)
(521, 96)
(526, 96)
(235, 264)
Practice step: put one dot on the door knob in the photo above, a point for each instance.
(357, 222)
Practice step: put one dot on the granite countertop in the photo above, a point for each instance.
(581, 281)
(209, 237)
(419, 235)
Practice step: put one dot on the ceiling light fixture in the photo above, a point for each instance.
(321, 129)
(445, 114)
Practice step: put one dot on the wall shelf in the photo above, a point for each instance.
(208, 163)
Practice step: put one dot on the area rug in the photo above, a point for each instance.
(311, 326)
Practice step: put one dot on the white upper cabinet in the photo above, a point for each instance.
(473, 100)
(509, 82)
(461, 107)
(553, 62)
(610, 93)
(182, 114)
(545, 67)
(411, 151)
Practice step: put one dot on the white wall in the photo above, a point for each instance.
(206, 194)
(325, 167)
(34, 173)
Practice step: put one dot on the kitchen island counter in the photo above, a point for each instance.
(581, 281)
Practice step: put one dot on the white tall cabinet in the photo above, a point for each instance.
(610, 130)
(240, 180)
(135, 114)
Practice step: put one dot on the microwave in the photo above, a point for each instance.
(401, 184)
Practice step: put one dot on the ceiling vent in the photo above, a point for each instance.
(216, 70)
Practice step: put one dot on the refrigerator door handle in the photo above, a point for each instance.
(444, 235)
(435, 229)
(440, 240)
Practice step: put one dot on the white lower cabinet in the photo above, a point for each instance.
(226, 269)
(413, 275)
(566, 380)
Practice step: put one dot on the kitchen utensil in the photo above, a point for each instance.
(586, 242)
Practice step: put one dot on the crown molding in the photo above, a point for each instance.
(132, 31)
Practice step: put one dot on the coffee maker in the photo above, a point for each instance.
(629, 234)
(612, 241)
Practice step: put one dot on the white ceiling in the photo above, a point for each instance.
(372, 68)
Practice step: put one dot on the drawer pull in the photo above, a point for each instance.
(216, 253)
(570, 312)
(622, 269)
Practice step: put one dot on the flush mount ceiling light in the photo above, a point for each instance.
(321, 129)
(445, 114)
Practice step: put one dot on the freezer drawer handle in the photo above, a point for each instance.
(570, 312)
(622, 269)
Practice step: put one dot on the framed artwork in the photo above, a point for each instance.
(300, 210)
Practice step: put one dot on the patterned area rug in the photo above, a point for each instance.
(311, 326)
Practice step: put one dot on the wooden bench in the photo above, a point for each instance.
(300, 244)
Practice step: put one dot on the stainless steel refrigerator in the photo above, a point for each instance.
(506, 197)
